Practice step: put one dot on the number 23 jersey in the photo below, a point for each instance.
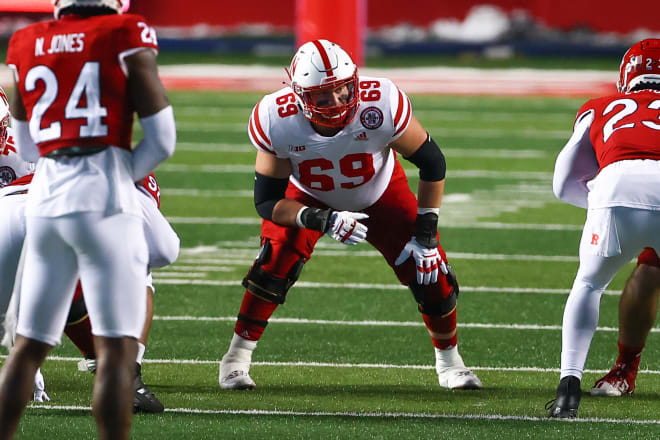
(350, 170)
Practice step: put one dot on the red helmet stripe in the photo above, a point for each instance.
(324, 57)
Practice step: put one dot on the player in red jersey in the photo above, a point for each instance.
(326, 164)
(79, 79)
(611, 166)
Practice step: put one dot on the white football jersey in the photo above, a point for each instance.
(350, 170)
(12, 167)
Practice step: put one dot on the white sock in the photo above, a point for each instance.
(448, 358)
(140, 353)
(240, 350)
(578, 327)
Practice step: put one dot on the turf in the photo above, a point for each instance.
(347, 356)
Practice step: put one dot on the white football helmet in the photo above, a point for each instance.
(116, 5)
(324, 77)
(4, 119)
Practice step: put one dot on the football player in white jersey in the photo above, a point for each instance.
(326, 164)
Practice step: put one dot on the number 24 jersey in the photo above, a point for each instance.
(350, 170)
(72, 78)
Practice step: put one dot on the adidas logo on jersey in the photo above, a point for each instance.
(362, 137)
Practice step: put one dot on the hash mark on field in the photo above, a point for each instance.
(388, 415)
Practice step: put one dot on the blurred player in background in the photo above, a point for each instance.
(611, 166)
(326, 164)
(79, 79)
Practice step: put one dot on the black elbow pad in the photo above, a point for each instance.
(430, 161)
(267, 192)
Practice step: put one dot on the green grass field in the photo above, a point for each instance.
(347, 356)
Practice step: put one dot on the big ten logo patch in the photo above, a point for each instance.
(594, 239)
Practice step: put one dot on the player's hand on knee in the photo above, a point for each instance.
(345, 227)
(427, 260)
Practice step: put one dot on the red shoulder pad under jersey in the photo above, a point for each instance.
(626, 126)
(150, 184)
(401, 111)
(72, 78)
(257, 128)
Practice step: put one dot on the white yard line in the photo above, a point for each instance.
(437, 130)
(369, 286)
(380, 323)
(249, 248)
(220, 193)
(422, 80)
(346, 365)
(461, 225)
(203, 147)
(387, 415)
(249, 169)
(559, 116)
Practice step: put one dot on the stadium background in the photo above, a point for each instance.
(497, 84)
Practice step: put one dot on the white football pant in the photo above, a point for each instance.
(12, 233)
(611, 238)
(110, 256)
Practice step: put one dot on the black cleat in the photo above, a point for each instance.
(565, 406)
(144, 400)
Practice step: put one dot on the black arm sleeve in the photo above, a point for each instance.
(430, 161)
(267, 192)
